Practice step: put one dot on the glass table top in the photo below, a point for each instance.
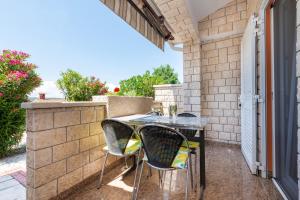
(179, 122)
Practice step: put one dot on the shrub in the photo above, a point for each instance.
(76, 87)
(142, 85)
(17, 80)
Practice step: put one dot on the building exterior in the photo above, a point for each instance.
(241, 68)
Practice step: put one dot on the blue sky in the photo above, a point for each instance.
(82, 35)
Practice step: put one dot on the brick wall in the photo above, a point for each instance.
(64, 147)
(169, 95)
(192, 77)
(227, 21)
(221, 88)
(221, 34)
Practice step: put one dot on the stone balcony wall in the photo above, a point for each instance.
(64, 146)
(169, 95)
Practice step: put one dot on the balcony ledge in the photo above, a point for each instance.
(59, 104)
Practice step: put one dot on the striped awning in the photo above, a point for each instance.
(139, 15)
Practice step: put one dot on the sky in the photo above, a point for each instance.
(81, 35)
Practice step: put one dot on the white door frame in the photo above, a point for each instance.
(262, 50)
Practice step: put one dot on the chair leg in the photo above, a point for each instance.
(135, 175)
(138, 186)
(196, 171)
(191, 172)
(102, 171)
(163, 179)
(126, 164)
(170, 183)
(149, 172)
(187, 182)
(159, 179)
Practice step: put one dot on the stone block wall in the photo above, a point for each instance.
(134, 105)
(221, 88)
(227, 21)
(169, 95)
(221, 34)
(192, 77)
(64, 146)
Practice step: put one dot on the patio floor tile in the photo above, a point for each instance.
(227, 176)
(11, 189)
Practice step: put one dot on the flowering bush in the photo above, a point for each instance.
(75, 87)
(116, 90)
(17, 79)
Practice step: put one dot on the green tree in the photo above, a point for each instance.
(166, 74)
(142, 85)
(76, 87)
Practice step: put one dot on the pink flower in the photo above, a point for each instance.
(16, 75)
(1, 94)
(7, 56)
(14, 62)
(23, 54)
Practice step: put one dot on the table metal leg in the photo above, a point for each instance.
(202, 163)
(202, 159)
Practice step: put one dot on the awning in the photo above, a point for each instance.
(143, 18)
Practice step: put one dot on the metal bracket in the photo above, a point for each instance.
(258, 99)
(259, 166)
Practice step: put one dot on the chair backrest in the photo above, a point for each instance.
(187, 133)
(161, 144)
(117, 135)
(155, 113)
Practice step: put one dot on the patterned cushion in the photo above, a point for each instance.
(181, 158)
(192, 144)
(132, 146)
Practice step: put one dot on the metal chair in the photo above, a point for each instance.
(119, 140)
(163, 151)
(188, 133)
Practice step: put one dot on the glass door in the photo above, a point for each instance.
(285, 102)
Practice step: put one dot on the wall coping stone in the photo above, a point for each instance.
(37, 105)
(104, 99)
(167, 85)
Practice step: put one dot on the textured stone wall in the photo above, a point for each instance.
(221, 88)
(177, 16)
(192, 77)
(221, 34)
(169, 95)
(64, 147)
(134, 105)
(227, 21)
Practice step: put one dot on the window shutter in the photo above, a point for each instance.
(248, 95)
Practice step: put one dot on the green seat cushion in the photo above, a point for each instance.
(192, 144)
(133, 146)
(181, 158)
